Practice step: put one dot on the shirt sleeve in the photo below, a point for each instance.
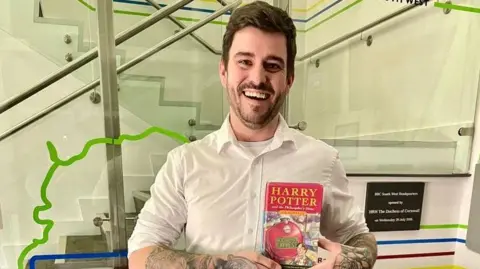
(163, 217)
(341, 218)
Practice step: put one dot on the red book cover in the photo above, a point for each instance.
(292, 223)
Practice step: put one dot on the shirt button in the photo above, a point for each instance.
(254, 195)
(250, 230)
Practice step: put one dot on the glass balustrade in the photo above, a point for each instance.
(53, 29)
(60, 205)
(392, 99)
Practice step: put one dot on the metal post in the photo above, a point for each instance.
(285, 5)
(108, 82)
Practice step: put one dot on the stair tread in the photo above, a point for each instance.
(85, 244)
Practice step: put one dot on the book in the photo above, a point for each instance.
(291, 224)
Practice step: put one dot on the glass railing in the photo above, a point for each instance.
(177, 88)
(58, 211)
(48, 208)
(393, 98)
(50, 32)
(175, 93)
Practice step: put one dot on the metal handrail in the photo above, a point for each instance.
(183, 26)
(92, 85)
(92, 54)
(358, 31)
(223, 3)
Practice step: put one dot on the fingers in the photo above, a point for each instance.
(268, 263)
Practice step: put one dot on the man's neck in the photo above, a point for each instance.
(243, 133)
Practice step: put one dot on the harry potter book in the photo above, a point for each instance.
(292, 224)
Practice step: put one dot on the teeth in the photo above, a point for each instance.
(256, 95)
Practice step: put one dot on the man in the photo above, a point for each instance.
(213, 189)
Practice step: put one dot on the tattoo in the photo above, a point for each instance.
(163, 257)
(360, 252)
(235, 262)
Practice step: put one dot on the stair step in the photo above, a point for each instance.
(85, 244)
(139, 198)
(50, 264)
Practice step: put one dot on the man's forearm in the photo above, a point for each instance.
(163, 257)
(360, 250)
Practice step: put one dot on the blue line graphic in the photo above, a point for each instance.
(420, 241)
(123, 254)
(76, 256)
(204, 10)
(321, 11)
(133, 2)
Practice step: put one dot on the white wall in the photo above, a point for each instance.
(418, 81)
(437, 209)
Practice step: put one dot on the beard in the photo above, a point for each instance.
(255, 117)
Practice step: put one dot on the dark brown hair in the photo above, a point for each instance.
(267, 18)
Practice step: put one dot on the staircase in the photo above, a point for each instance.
(157, 78)
(150, 94)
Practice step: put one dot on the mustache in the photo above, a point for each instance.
(266, 87)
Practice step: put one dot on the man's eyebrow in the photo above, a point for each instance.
(276, 58)
(244, 53)
(269, 57)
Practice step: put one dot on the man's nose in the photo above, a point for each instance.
(258, 75)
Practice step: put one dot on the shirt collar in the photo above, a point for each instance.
(283, 135)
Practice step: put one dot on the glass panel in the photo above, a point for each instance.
(50, 31)
(167, 91)
(177, 90)
(395, 104)
(180, 83)
(53, 181)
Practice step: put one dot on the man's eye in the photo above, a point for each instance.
(272, 67)
(244, 62)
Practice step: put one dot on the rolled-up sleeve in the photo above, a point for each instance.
(341, 218)
(163, 216)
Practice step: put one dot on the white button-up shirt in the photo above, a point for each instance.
(213, 190)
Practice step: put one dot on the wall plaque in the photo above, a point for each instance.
(394, 206)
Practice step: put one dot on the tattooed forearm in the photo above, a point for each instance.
(163, 257)
(360, 252)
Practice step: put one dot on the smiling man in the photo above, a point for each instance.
(213, 189)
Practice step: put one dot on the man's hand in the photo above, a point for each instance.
(347, 256)
(161, 256)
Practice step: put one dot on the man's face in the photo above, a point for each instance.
(256, 76)
(301, 251)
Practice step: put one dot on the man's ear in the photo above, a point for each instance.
(290, 80)
(222, 70)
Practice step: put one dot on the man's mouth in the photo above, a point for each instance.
(255, 95)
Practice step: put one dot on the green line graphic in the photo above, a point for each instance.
(334, 15)
(57, 162)
(457, 7)
(87, 5)
(443, 226)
